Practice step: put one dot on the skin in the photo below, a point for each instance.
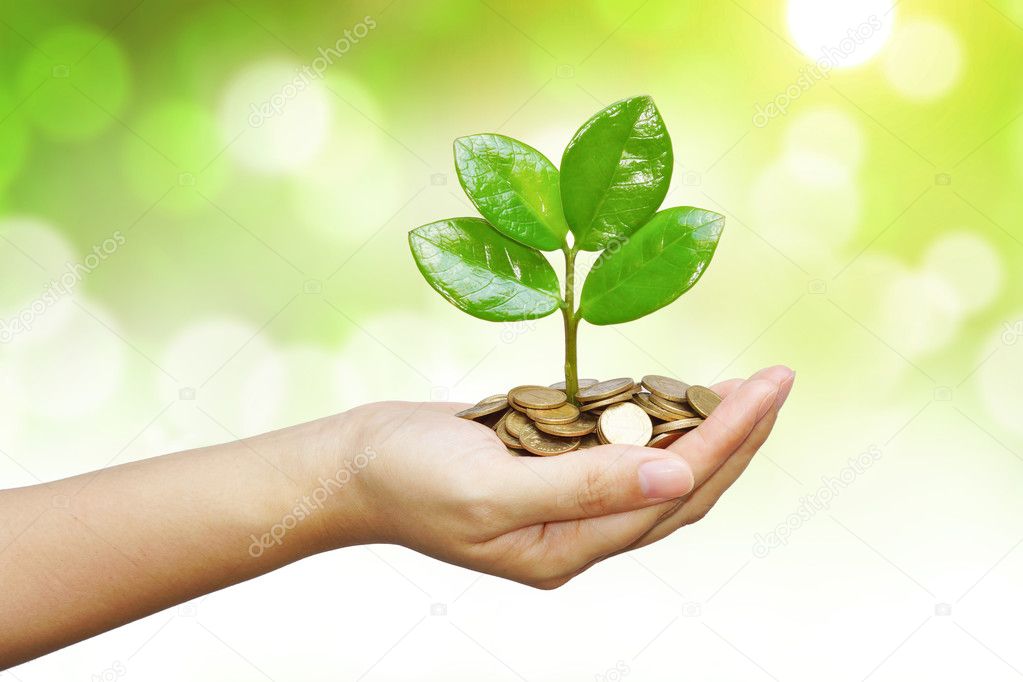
(83, 555)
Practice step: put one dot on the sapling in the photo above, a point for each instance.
(614, 175)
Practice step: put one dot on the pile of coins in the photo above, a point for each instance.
(540, 420)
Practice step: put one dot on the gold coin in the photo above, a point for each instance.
(482, 409)
(537, 397)
(605, 389)
(545, 445)
(585, 424)
(644, 400)
(515, 422)
(490, 421)
(559, 415)
(663, 440)
(511, 396)
(502, 432)
(681, 411)
(590, 440)
(583, 383)
(666, 387)
(597, 405)
(494, 398)
(625, 424)
(677, 425)
(702, 399)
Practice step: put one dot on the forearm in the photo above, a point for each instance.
(89, 553)
(85, 554)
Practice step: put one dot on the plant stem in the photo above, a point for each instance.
(571, 325)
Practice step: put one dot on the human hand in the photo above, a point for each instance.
(718, 467)
(448, 487)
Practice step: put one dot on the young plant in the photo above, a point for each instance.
(614, 175)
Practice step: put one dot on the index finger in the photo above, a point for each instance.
(707, 446)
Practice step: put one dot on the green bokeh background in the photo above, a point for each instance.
(873, 242)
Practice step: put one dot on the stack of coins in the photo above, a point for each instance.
(539, 420)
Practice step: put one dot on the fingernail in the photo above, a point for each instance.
(786, 388)
(665, 478)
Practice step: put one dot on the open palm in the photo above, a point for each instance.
(448, 487)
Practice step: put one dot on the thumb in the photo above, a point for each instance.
(594, 482)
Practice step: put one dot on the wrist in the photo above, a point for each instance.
(324, 507)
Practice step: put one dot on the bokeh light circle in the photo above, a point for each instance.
(75, 83)
(924, 60)
(999, 373)
(434, 362)
(70, 363)
(970, 265)
(344, 200)
(221, 361)
(301, 379)
(180, 151)
(276, 116)
(10, 404)
(33, 256)
(805, 217)
(824, 141)
(920, 312)
(859, 290)
(348, 191)
(839, 33)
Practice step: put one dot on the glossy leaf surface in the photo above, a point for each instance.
(659, 263)
(615, 172)
(514, 186)
(483, 272)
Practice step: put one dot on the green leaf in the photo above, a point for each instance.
(659, 263)
(514, 186)
(483, 272)
(615, 172)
